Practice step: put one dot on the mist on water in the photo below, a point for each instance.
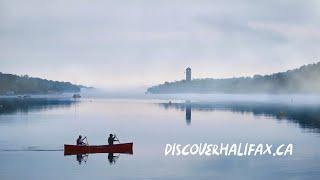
(139, 94)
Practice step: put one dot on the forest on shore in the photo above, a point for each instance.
(11, 84)
(305, 79)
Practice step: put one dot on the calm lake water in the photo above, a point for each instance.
(32, 134)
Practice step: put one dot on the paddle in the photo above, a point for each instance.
(85, 158)
(116, 138)
(85, 138)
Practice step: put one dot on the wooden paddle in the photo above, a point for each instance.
(117, 138)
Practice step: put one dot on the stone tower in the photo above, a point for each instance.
(188, 74)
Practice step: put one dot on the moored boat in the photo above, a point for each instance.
(125, 148)
(75, 96)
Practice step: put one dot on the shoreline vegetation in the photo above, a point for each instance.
(12, 85)
(303, 80)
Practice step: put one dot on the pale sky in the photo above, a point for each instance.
(133, 43)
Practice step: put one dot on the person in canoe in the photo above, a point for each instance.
(112, 138)
(80, 140)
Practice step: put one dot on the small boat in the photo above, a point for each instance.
(125, 148)
(76, 96)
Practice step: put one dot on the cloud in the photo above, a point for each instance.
(290, 31)
(112, 43)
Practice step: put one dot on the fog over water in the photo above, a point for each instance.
(292, 99)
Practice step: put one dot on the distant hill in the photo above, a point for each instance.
(305, 79)
(11, 84)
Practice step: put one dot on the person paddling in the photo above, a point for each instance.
(80, 140)
(112, 138)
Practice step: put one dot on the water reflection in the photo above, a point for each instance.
(147, 124)
(14, 105)
(83, 158)
(188, 112)
(112, 159)
(307, 116)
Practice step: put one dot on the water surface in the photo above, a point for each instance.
(32, 134)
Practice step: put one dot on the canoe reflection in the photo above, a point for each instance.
(83, 158)
(82, 151)
(112, 159)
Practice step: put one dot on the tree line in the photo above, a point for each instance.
(305, 79)
(11, 84)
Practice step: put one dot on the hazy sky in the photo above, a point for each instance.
(138, 43)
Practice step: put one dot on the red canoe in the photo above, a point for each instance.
(84, 149)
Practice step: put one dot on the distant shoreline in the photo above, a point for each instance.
(14, 85)
(303, 80)
(37, 96)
